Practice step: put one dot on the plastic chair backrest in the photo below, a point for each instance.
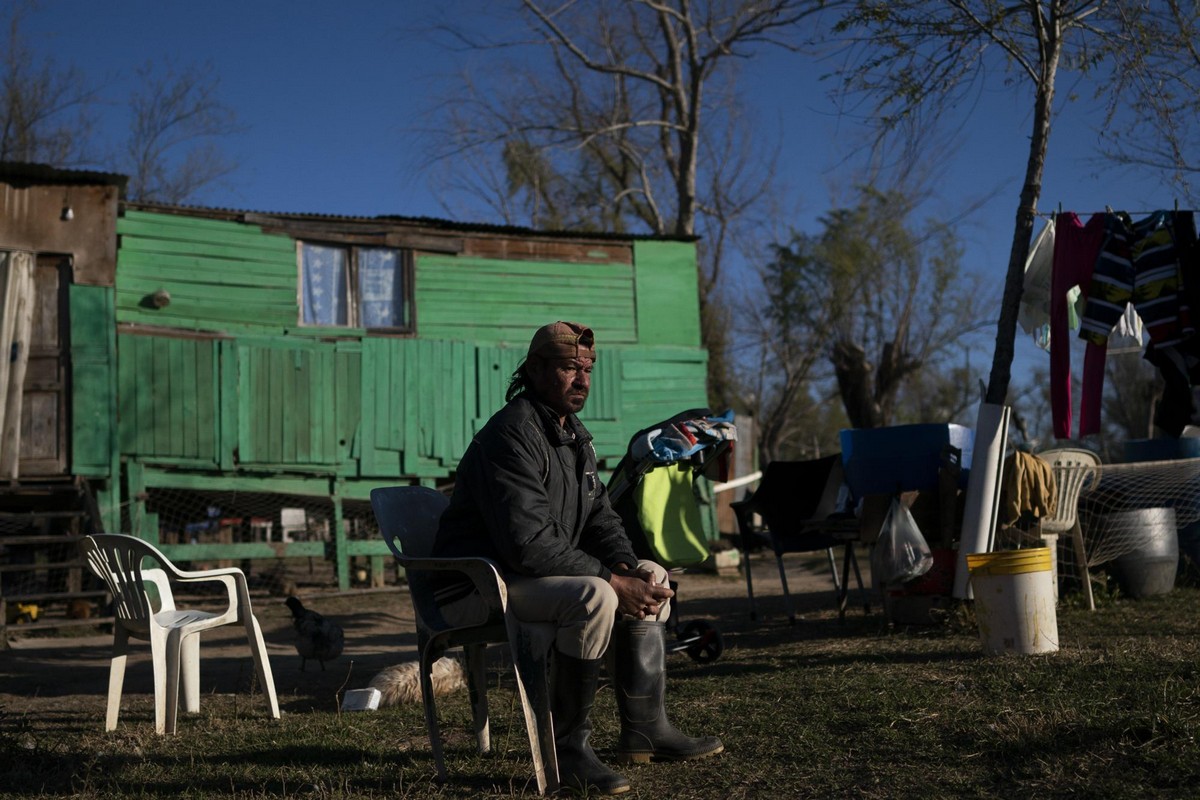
(118, 562)
(1072, 468)
(408, 518)
(408, 521)
(793, 493)
(144, 607)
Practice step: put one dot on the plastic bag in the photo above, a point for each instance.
(901, 554)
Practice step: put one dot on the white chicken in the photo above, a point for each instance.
(316, 637)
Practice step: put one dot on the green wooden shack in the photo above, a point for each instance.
(232, 384)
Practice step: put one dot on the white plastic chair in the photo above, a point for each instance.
(408, 519)
(1073, 469)
(174, 633)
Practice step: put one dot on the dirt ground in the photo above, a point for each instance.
(65, 675)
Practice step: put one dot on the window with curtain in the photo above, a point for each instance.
(357, 287)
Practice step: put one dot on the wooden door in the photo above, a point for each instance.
(44, 411)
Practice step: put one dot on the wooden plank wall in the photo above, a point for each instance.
(488, 300)
(234, 387)
(93, 358)
(168, 399)
(221, 276)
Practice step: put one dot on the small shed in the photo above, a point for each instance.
(232, 384)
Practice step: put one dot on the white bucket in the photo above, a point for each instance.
(1014, 601)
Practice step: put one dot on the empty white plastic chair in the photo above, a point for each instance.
(1074, 469)
(174, 633)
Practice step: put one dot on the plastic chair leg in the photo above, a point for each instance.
(116, 677)
(862, 589)
(837, 583)
(262, 664)
(159, 658)
(1081, 559)
(749, 582)
(175, 665)
(431, 724)
(787, 596)
(531, 646)
(190, 672)
(477, 689)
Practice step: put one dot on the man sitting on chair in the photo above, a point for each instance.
(527, 496)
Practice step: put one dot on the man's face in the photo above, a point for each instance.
(561, 383)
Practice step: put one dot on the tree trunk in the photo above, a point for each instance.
(1006, 327)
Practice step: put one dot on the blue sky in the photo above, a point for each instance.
(329, 94)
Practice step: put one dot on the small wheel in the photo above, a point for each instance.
(708, 644)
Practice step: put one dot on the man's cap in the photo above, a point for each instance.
(563, 340)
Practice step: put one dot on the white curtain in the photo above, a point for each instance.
(16, 322)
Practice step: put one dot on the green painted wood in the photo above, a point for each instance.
(93, 404)
(668, 306)
(140, 385)
(245, 550)
(511, 326)
(288, 411)
(167, 398)
(411, 444)
(305, 486)
(135, 490)
(228, 308)
(261, 250)
(348, 400)
(109, 501)
(226, 399)
(340, 541)
(201, 323)
(220, 275)
(502, 302)
(197, 292)
(211, 271)
(203, 383)
(448, 267)
(374, 361)
(147, 227)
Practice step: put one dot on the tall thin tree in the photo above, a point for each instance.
(916, 59)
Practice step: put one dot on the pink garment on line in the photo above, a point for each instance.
(1076, 248)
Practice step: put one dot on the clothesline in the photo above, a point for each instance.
(1052, 214)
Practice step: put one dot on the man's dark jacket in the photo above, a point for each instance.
(527, 496)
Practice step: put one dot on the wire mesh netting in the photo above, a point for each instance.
(1127, 512)
(187, 516)
(1109, 531)
(182, 516)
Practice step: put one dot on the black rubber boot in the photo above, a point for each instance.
(574, 691)
(639, 670)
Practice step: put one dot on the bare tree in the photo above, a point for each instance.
(45, 110)
(878, 304)
(1161, 127)
(915, 59)
(176, 116)
(626, 117)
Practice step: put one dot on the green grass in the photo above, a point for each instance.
(822, 709)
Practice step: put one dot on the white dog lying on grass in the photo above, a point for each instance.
(402, 683)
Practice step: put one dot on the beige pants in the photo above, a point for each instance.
(583, 609)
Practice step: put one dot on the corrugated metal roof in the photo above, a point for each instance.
(399, 220)
(44, 173)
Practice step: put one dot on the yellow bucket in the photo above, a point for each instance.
(1010, 562)
(1014, 601)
